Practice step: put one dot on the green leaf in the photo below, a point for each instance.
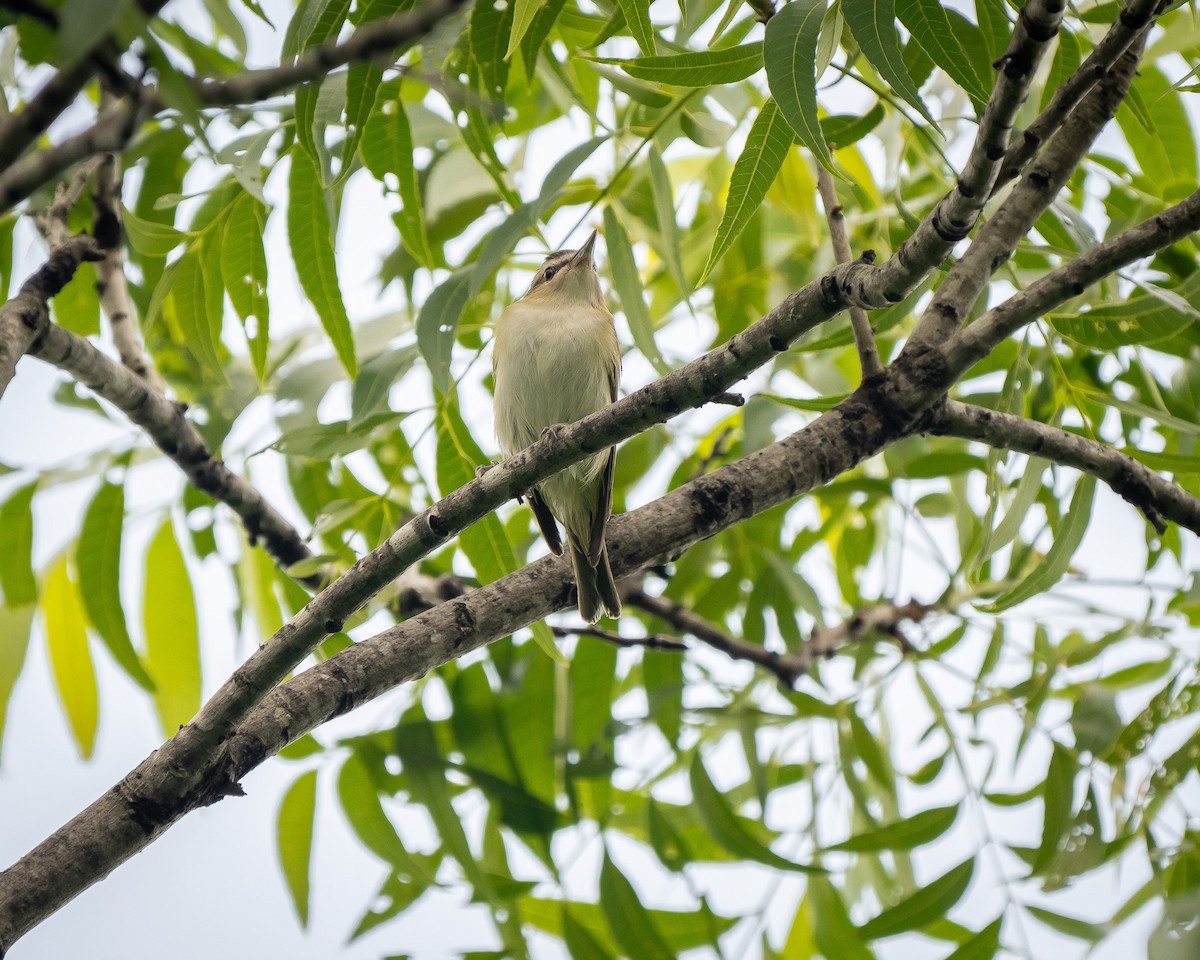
(983, 946)
(16, 548)
(294, 836)
(833, 930)
(637, 16)
(767, 145)
(369, 395)
(172, 635)
(524, 12)
(196, 301)
(485, 543)
(7, 224)
(844, 130)
(919, 829)
(873, 23)
(789, 52)
(359, 797)
(952, 43)
(627, 282)
(98, 560)
(70, 658)
(697, 69)
(244, 270)
(491, 27)
(725, 827)
(579, 943)
(1058, 798)
(537, 33)
(1140, 319)
(387, 149)
(15, 626)
(148, 237)
(1066, 540)
(664, 209)
(310, 232)
(931, 902)
(629, 921)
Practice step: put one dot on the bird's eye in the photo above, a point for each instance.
(549, 274)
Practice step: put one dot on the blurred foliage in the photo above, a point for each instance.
(1043, 738)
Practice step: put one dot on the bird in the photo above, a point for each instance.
(556, 359)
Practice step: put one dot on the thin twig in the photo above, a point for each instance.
(864, 336)
(653, 641)
(111, 283)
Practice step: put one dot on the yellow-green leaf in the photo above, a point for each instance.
(637, 16)
(16, 548)
(15, 624)
(627, 283)
(98, 560)
(172, 636)
(294, 836)
(932, 901)
(70, 658)
(244, 270)
(698, 69)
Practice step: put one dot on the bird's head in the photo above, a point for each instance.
(568, 278)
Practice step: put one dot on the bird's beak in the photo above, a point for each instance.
(584, 253)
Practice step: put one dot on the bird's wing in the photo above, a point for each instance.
(604, 494)
(545, 520)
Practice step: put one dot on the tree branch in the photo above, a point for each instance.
(21, 129)
(652, 641)
(998, 238)
(171, 432)
(1131, 23)
(22, 317)
(1069, 280)
(181, 776)
(956, 213)
(864, 336)
(790, 667)
(1155, 497)
(111, 283)
(115, 126)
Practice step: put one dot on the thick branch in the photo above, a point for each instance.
(864, 336)
(163, 787)
(1155, 497)
(955, 214)
(22, 317)
(997, 240)
(1131, 23)
(1070, 280)
(171, 432)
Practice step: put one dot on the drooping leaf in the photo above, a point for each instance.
(172, 634)
(725, 828)
(16, 548)
(15, 626)
(637, 16)
(387, 150)
(767, 145)
(628, 920)
(952, 42)
(244, 270)
(294, 837)
(1058, 557)
(98, 560)
(789, 52)
(627, 283)
(873, 23)
(310, 232)
(70, 658)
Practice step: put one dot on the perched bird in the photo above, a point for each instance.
(555, 360)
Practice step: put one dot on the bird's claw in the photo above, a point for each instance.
(554, 431)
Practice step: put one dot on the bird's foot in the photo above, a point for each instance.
(554, 431)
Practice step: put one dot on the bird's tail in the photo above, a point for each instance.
(596, 586)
